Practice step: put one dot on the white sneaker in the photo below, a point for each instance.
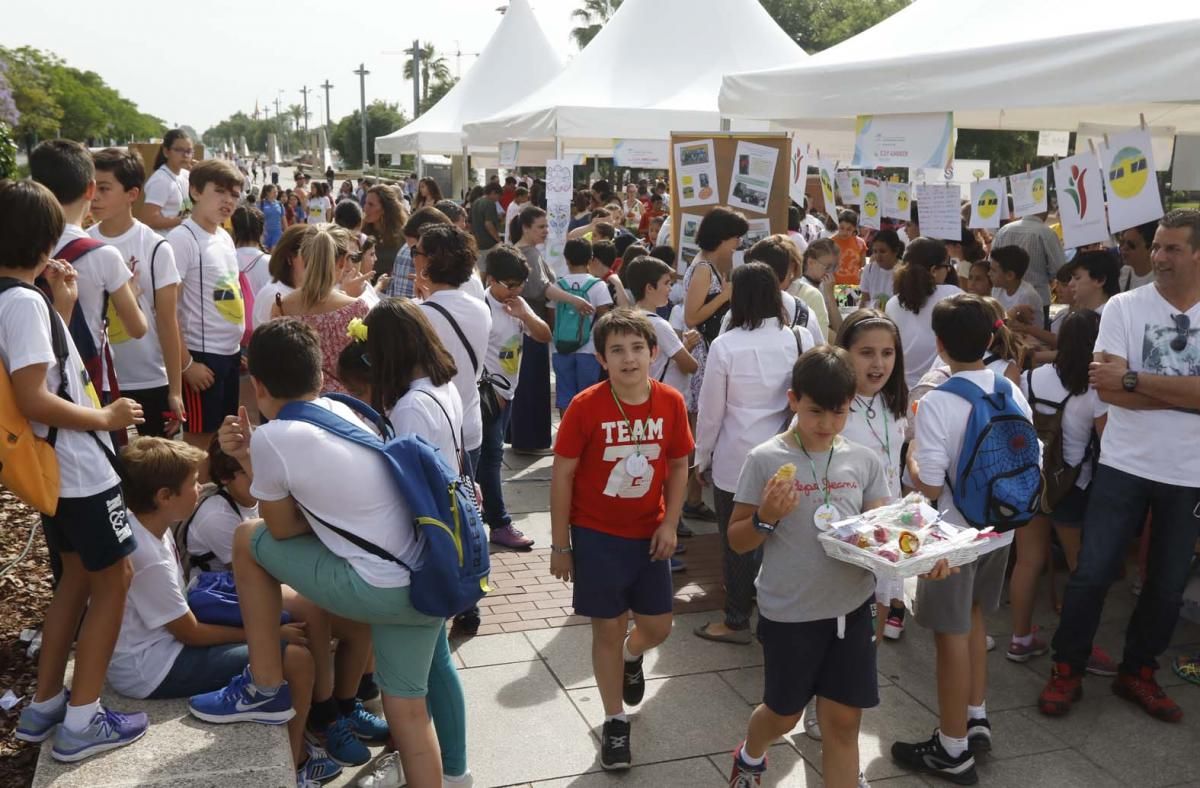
(862, 780)
(385, 772)
(464, 781)
(991, 643)
(812, 727)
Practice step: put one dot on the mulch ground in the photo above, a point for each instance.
(24, 594)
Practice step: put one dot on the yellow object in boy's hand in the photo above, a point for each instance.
(786, 472)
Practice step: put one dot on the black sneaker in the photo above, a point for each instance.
(367, 688)
(930, 757)
(614, 746)
(979, 736)
(466, 624)
(633, 685)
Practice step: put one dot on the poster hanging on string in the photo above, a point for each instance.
(872, 203)
(798, 171)
(988, 204)
(940, 214)
(560, 188)
(897, 201)
(923, 139)
(1028, 191)
(827, 169)
(1080, 191)
(1130, 180)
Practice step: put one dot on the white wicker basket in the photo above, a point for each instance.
(961, 547)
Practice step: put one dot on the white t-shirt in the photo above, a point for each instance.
(504, 347)
(473, 287)
(294, 458)
(597, 295)
(675, 378)
(146, 650)
(139, 362)
(100, 271)
(916, 332)
(211, 309)
(418, 413)
(877, 282)
(474, 319)
(941, 424)
(818, 313)
(212, 529)
(264, 300)
(669, 344)
(168, 191)
(25, 340)
(1159, 445)
(743, 399)
(1130, 280)
(1078, 419)
(1026, 294)
(255, 264)
(514, 209)
(319, 210)
(882, 433)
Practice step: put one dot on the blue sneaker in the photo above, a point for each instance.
(366, 725)
(35, 727)
(318, 767)
(343, 745)
(108, 730)
(240, 701)
(677, 565)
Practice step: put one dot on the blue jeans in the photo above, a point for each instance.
(200, 669)
(573, 372)
(487, 471)
(1116, 510)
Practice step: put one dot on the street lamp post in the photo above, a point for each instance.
(328, 117)
(305, 91)
(362, 109)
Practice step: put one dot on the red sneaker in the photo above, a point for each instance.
(1142, 689)
(1063, 689)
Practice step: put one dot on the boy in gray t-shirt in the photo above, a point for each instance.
(814, 611)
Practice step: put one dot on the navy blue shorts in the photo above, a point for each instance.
(207, 409)
(614, 575)
(96, 528)
(804, 659)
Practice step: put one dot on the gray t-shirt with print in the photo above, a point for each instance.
(797, 581)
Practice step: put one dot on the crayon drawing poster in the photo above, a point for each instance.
(696, 173)
(988, 201)
(827, 170)
(1130, 180)
(1029, 191)
(753, 172)
(897, 201)
(798, 171)
(872, 203)
(1078, 182)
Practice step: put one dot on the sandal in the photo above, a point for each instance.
(737, 637)
(1187, 668)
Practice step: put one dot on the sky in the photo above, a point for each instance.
(153, 53)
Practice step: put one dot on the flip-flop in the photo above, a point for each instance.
(737, 637)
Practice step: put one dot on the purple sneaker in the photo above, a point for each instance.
(108, 730)
(510, 537)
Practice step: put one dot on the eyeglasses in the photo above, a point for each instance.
(418, 253)
(1182, 324)
(184, 151)
(513, 285)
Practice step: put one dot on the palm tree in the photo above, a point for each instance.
(593, 14)
(297, 113)
(433, 67)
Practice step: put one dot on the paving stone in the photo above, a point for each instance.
(1062, 769)
(679, 718)
(495, 650)
(673, 774)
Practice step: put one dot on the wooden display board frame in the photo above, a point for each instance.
(148, 151)
(725, 149)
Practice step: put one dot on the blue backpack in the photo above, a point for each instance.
(571, 329)
(999, 474)
(453, 572)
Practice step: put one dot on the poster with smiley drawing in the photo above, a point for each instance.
(988, 201)
(872, 203)
(1028, 190)
(1130, 180)
(897, 201)
(1077, 183)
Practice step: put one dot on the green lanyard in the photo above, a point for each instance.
(813, 465)
(886, 440)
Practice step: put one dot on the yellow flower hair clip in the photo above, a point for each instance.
(356, 329)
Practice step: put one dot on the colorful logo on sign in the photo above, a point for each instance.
(902, 201)
(1129, 172)
(1076, 191)
(988, 204)
(871, 204)
(826, 186)
(855, 186)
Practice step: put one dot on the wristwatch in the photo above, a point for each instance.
(1129, 380)
(561, 550)
(764, 527)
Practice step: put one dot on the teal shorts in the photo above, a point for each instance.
(404, 639)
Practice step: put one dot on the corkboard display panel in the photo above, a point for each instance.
(149, 151)
(725, 150)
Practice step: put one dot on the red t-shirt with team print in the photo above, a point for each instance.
(606, 496)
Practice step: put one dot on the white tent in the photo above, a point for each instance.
(655, 67)
(1019, 64)
(517, 59)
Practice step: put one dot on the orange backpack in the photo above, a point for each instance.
(28, 466)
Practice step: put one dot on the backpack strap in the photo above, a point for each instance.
(154, 276)
(461, 336)
(799, 341)
(458, 447)
(200, 267)
(1034, 400)
(331, 422)
(77, 248)
(204, 560)
(800, 316)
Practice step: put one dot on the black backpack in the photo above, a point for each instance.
(1058, 477)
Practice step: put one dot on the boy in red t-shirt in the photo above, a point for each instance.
(852, 250)
(620, 474)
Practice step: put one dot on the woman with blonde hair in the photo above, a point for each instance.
(328, 297)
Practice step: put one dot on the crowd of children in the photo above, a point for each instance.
(216, 558)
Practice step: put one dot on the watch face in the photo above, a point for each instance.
(1129, 381)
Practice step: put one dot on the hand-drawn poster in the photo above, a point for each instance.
(941, 216)
(1130, 180)
(872, 203)
(988, 204)
(897, 201)
(1029, 191)
(1078, 184)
